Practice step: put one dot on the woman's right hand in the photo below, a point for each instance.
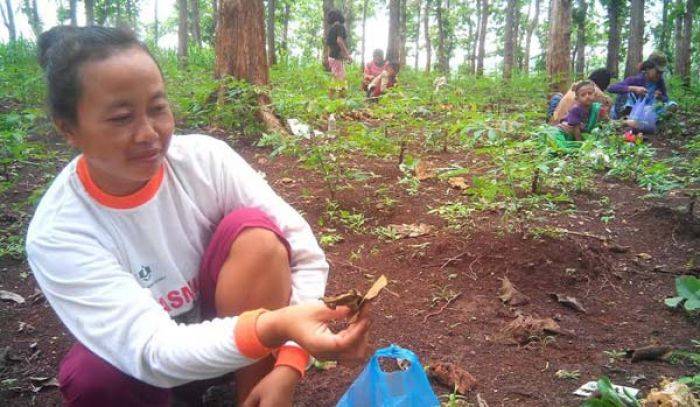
(307, 325)
(639, 90)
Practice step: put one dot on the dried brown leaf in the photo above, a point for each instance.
(10, 296)
(570, 302)
(509, 294)
(412, 230)
(351, 299)
(525, 328)
(458, 182)
(452, 376)
(424, 171)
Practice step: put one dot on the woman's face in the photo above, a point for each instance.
(653, 74)
(124, 122)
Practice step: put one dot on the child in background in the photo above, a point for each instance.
(563, 103)
(337, 48)
(161, 254)
(577, 118)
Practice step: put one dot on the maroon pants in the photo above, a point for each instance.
(87, 380)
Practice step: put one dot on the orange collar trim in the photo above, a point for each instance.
(138, 198)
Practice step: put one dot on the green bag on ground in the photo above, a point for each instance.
(560, 141)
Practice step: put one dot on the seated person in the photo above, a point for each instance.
(577, 118)
(649, 82)
(600, 79)
(581, 118)
(383, 81)
(373, 68)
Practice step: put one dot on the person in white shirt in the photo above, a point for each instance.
(161, 254)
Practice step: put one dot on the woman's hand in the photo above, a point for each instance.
(275, 389)
(307, 325)
(639, 90)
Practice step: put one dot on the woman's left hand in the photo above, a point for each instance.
(275, 389)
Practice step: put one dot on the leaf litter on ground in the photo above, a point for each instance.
(511, 295)
(354, 300)
(411, 230)
(526, 328)
(568, 301)
(452, 376)
(10, 296)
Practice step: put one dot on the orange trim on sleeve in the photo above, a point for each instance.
(138, 198)
(294, 357)
(246, 336)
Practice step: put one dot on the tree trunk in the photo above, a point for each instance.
(327, 6)
(426, 32)
(240, 51)
(636, 37)
(182, 32)
(73, 12)
(613, 58)
(393, 49)
(558, 56)
(417, 41)
(8, 17)
(285, 30)
(271, 56)
(509, 39)
(663, 41)
(30, 9)
(403, 33)
(678, 35)
(580, 14)
(215, 12)
(482, 37)
(443, 63)
(90, 12)
(474, 46)
(364, 32)
(528, 40)
(196, 23)
(156, 23)
(684, 55)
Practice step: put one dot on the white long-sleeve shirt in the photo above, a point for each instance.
(116, 277)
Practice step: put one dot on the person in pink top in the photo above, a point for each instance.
(373, 68)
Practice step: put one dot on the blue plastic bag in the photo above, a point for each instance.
(644, 113)
(405, 388)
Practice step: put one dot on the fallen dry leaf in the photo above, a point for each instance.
(412, 230)
(10, 296)
(650, 353)
(525, 328)
(286, 180)
(644, 256)
(570, 302)
(354, 300)
(452, 376)
(510, 294)
(671, 394)
(424, 171)
(458, 182)
(40, 383)
(480, 402)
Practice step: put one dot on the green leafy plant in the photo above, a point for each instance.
(608, 397)
(688, 290)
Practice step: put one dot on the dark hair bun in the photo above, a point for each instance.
(49, 39)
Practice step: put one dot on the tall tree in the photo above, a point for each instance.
(558, 55)
(663, 34)
(426, 33)
(482, 37)
(417, 40)
(215, 12)
(393, 49)
(364, 31)
(678, 33)
(182, 31)
(403, 33)
(73, 10)
(636, 37)
(614, 10)
(532, 24)
(580, 20)
(240, 51)
(90, 12)
(30, 9)
(327, 6)
(285, 26)
(443, 59)
(195, 22)
(271, 56)
(509, 39)
(683, 58)
(8, 18)
(475, 40)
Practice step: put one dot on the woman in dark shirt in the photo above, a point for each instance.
(337, 47)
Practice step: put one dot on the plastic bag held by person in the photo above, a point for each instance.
(406, 387)
(644, 113)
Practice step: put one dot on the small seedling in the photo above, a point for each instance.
(688, 290)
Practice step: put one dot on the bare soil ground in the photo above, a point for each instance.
(621, 280)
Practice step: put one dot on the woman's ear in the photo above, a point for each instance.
(68, 132)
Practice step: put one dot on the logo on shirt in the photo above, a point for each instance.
(147, 276)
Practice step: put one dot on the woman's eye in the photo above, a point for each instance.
(120, 119)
